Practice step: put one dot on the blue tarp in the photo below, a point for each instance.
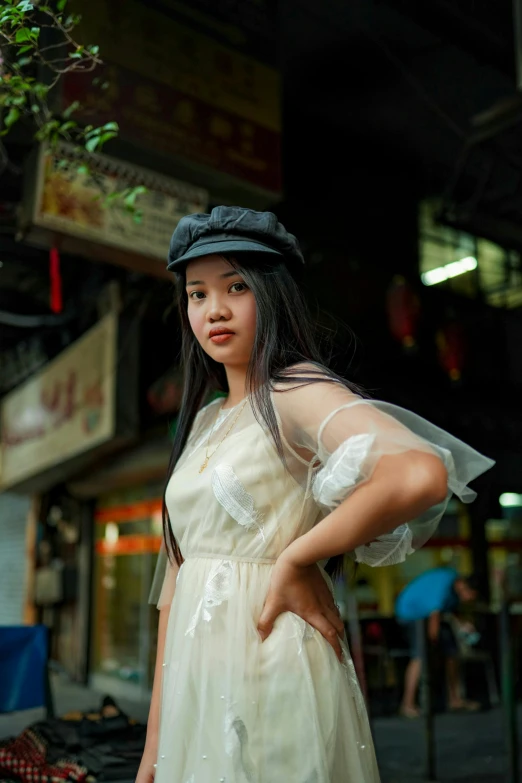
(23, 663)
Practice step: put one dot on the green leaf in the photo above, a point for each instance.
(112, 126)
(83, 169)
(61, 4)
(35, 32)
(22, 35)
(35, 108)
(107, 137)
(67, 126)
(94, 50)
(71, 109)
(12, 116)
(19, 100)
(24, 49)
(92, 143)
(73, 20)
(75, 55)
(25, 6)
(130, 199)
(23, 61)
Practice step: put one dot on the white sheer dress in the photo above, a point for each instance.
(234, 709)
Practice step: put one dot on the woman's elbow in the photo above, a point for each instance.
(431, 480)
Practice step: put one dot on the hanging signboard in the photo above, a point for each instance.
(200, 93)
(73, 201)
(65, 410)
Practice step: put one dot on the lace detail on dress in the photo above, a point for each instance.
(217, 590)
(341, 471)
(303, 631)
(233, 497)
(388, 549)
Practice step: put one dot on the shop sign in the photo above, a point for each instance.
(71, 200)
(65, 410)
(189, 95)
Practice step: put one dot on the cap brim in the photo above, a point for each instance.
(223, 247)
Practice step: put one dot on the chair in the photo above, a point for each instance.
(469, 654)
(24, 670)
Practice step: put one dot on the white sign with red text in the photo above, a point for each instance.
(64, 410)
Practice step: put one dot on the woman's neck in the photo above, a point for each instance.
(236, 377)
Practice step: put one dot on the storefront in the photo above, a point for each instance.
(128, 532)
(126, 496)
(66, 418)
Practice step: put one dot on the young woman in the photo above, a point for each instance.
(254, 682)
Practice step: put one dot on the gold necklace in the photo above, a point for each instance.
(209, 456)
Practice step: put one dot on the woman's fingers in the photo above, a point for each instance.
(333, 616)
(326, 629)
(268, 617)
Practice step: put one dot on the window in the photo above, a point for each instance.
(465, 264)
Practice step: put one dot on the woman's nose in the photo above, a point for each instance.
(218, 311)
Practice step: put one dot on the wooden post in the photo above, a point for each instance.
(509, 706)
(427, 701)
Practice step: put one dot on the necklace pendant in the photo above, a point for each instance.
(202, 468)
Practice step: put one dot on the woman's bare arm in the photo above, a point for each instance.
(402, 487)
(147, 769)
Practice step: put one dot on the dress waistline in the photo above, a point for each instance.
(231, 558)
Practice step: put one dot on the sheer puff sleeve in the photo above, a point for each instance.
(347, 436)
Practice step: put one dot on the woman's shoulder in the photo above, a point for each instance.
(311, 380)
(203, 417)
(307, 393)
(210, 406)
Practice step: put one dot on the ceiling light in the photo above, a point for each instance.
(510, 500)
(455, 268)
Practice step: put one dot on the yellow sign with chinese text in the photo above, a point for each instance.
(159, 47)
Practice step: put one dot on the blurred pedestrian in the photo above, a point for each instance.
(292, 469)
(433, 594)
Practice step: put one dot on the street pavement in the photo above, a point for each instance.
(470, 748)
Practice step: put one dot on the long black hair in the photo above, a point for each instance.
(285, 336)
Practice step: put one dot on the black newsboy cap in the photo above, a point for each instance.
(231, 230)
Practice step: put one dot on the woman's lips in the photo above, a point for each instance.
(221, 338)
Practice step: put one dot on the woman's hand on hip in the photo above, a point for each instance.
(303, 591)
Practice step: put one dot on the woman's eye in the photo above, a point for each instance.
(196, 295)
(238, 287)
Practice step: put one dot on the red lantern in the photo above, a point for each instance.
(403, 309)
(55, 281)
(451, 347)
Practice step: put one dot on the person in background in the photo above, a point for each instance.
(434, 593)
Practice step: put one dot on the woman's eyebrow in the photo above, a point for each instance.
(233, 273)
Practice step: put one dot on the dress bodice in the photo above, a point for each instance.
(246, 504)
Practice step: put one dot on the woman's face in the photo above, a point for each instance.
(221, 310)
